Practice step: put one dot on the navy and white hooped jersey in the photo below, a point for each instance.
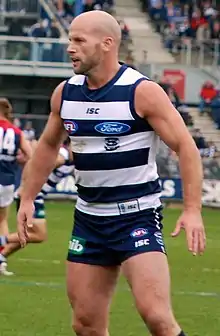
(57, 174)
(10, 137)
(114, 148)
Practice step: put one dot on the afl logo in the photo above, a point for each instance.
(140, 232)
(112, 128)
(70, 126)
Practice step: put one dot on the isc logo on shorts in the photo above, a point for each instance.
(142, 242)
(76, 245)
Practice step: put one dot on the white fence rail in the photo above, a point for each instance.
(34, 51)
(200, 53)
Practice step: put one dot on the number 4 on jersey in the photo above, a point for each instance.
(7, 141)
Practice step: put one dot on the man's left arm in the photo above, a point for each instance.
(152, 103)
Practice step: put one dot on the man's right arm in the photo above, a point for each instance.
(44, 157)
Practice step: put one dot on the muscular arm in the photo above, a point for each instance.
(44, 158)
(153, 104)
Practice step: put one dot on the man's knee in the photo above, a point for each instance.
(84, 326)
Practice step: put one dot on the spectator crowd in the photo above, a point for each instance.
(183, 22)
(210, 102)
(63, 11)
(66, 9)
(178, 23)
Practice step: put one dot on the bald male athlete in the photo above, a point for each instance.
(114, 117)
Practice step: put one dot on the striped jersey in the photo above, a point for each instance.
(10, 137)
(114, 148)
(57, 174)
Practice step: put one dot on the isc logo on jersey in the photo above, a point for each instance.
(140, 232)
(112, 128)
(92, 110)
(70, 126)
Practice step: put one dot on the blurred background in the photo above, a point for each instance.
(175, 43)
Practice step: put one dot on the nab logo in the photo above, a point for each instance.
(92, 110)
(70, 126)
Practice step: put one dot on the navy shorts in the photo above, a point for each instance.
(110, 240)
(39, 207)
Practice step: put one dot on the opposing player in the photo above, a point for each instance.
(11, 142)
(115, 116)
(37, 231)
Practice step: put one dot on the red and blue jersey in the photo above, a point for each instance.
(10, 138)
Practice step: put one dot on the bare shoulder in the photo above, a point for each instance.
(148, 89)
(56, 98)
(149, 97)
(153, 104)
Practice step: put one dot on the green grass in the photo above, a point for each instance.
(28, 309)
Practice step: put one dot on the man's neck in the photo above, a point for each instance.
(101, 76)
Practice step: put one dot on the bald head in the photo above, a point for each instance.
(100, 23)
(94, 40)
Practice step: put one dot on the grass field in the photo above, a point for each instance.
(33, 302)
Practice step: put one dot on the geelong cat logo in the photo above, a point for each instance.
(70, 126)
(112, 128)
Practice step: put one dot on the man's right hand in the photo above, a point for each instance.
(24, 220)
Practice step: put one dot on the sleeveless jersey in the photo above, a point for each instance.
(57, 174)
(10, 137)
(114, 148)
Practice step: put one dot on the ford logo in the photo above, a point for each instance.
(70, 126)
(112, 128)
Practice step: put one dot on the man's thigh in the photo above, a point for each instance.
(90, 289)
(149, 279)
